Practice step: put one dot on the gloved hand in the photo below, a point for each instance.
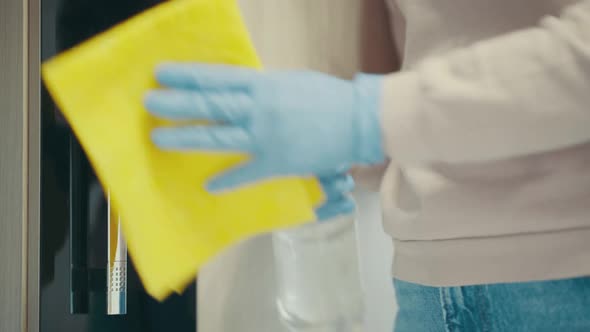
(337, 189)
(293, 123)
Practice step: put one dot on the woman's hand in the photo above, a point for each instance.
(293, 123)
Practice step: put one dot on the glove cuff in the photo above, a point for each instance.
(369, 138)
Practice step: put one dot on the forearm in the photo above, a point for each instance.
(517, 94)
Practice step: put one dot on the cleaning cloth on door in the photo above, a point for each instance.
(171, 224)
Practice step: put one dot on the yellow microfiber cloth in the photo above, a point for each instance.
(171, 224)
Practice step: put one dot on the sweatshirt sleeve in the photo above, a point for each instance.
(521, 93)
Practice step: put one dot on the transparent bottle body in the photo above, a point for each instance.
(318, 277)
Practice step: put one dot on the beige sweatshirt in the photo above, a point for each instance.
(488, 127)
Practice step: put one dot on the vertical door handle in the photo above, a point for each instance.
(117, 265)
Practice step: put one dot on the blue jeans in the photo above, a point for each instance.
(548, 306)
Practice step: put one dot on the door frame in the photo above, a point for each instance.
(19, 164)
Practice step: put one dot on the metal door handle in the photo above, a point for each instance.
(117, 265)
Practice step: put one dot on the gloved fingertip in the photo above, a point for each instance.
(337, 185)
(151, 100)
(349, 205)
(349, 184)
(322, 216)
(161, 138)
(224, 182)
(237, 177)
(214, 187)
(171, 74)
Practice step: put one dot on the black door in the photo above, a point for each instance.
(74, 207)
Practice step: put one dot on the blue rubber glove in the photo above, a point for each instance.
(293, 123)
(337, 189)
